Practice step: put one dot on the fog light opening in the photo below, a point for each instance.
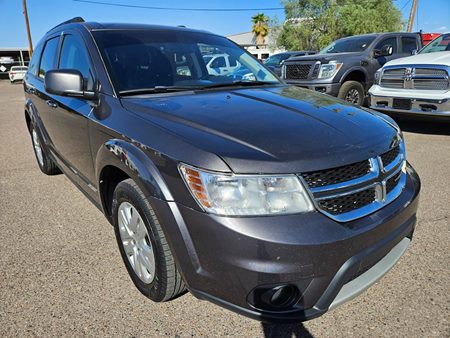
(280, 297)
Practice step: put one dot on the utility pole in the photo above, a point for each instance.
(27, 23)
(412, 14)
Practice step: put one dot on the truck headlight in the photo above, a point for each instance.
(378, 76)
(329, 70)
(246, 195)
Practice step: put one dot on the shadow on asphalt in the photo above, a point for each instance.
(425, 126)
(285, 330)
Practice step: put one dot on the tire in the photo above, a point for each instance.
(352, 92)
(45, 163)
(153, 273)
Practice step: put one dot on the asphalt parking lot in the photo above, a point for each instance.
(61, 273)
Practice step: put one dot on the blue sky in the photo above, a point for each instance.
(433, 15)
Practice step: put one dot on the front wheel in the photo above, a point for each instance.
(143, 245)
(352, 92)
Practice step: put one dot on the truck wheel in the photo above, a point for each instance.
(352, 91)
(45, 163)
(143, 245)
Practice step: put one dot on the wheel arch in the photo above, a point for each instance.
(117, 160)
(356, 74)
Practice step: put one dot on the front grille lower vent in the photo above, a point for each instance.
(392, 182)
(337, 175)
(346, 203)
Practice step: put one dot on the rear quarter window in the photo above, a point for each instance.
(33, 66)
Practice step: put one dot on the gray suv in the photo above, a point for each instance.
(273, 201)
(346, 67)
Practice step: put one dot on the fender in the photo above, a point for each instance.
(136, 164)
(352, 69)
(32, 113)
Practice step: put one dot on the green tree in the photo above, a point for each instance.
(313, 24)
(260, 27)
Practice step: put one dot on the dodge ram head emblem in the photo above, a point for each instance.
(407, 77)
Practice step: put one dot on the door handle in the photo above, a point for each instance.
(52, 104)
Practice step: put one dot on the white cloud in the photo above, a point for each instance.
(442, 29)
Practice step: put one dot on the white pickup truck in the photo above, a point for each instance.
(415, 85)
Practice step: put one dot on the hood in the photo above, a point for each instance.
(436, 58)
(279, 129)
(325, 58)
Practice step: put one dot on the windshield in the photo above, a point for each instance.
(275, 60)
(440, 44)
(348, 45)
(156, 59)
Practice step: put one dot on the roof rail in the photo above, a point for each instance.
(73, 20)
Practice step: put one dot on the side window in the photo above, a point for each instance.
(389, 41)
(218, 62)
(74, 56)
(49, 56)
(33, 66)
(408, 44)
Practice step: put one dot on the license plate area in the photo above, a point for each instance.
(404, 104)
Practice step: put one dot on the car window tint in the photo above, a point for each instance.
(232, 60)
(74, 56)
(408, 44)
(218, 62)
(48, 56)
(34, 62)
(392, 41)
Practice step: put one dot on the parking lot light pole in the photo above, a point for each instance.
(27, 23)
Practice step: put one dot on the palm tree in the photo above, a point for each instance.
(260, 27)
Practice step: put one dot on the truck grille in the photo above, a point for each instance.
(421, 78)
(349, 192)
(297, 71)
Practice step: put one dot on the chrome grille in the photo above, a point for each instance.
(430, 84)
(297, 71)
(426, 77)
(392, 83)
(349, 192)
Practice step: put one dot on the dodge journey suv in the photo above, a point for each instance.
(273, 201)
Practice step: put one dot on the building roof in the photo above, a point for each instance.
(248, 39)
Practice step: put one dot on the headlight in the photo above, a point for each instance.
(329, 70)
(378, 76)
(246, 195)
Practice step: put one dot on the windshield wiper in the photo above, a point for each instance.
(239, 83)
(157, 89)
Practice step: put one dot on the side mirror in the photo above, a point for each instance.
(413, 51)
(385, 51)
(66, 82)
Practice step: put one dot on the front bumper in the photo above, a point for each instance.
(326, 88)
(436, 106)
(223, 259)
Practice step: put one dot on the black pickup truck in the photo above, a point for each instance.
(346, 67)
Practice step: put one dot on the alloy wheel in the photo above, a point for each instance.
(37, 148)
(136, 242)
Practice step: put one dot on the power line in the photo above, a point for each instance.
(182, 9)
(406, 4)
